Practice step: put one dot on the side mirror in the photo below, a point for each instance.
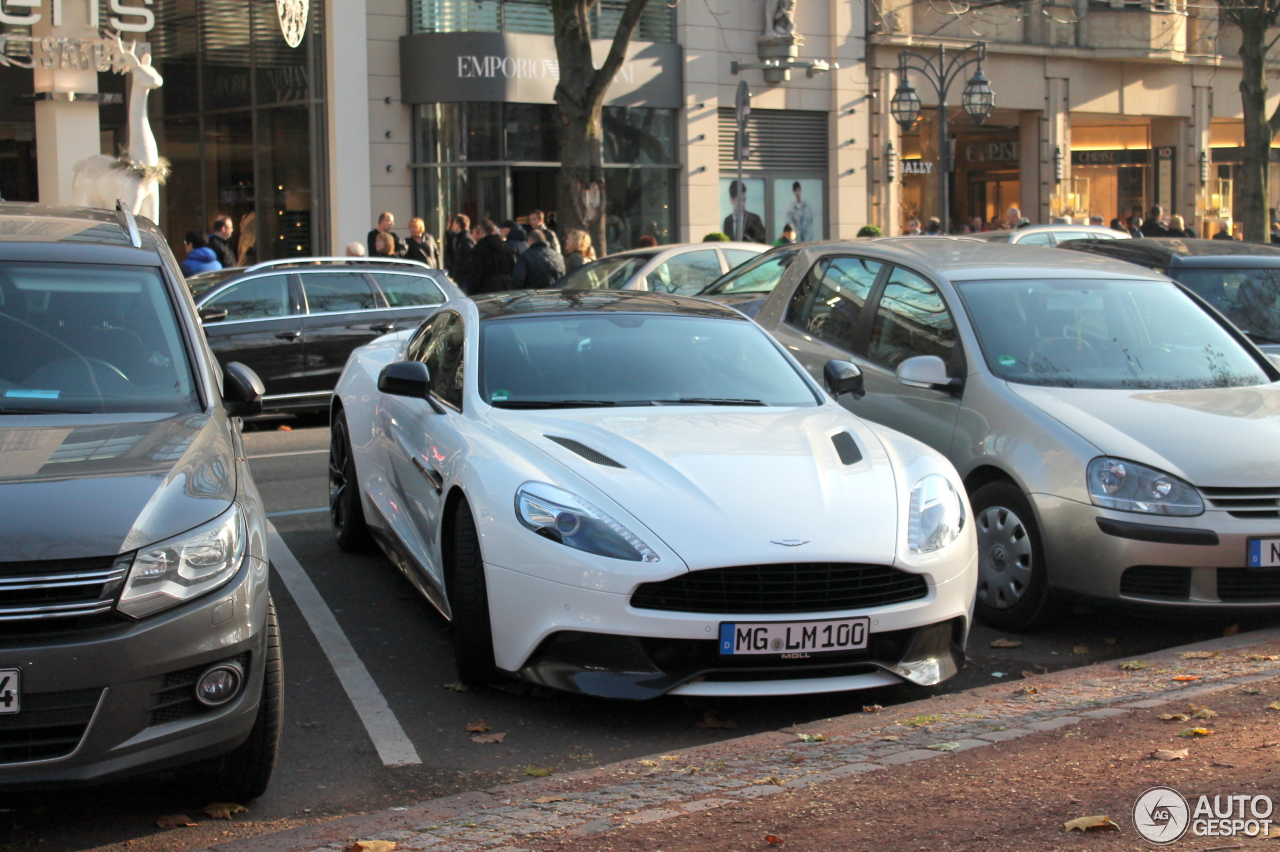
(405, 378)
(241, 390)
(926, 371)
(208, 315)
(843, 377)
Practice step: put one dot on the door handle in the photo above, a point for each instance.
(289, 335)
(383, 327)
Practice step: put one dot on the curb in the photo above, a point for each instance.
(638, 791)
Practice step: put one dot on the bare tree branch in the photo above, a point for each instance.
(618, 50)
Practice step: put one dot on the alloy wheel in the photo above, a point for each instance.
(1004, 558)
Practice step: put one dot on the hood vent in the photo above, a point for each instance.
(589, 454)
(846, 447)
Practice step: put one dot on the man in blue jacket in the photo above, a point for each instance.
(200, 258)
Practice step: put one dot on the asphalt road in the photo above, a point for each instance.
(331, 765)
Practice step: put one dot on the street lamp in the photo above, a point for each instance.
(941, 70)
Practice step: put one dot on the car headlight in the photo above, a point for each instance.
(1132, 487)
(556, 514)
(936, 516)
(184, 567)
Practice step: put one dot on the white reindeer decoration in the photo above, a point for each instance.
(135, 176)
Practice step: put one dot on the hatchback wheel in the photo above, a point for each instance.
(345, 510)
(469, 602)
(1013, 586)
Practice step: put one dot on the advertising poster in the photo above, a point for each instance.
(799, 202)
(748, 206)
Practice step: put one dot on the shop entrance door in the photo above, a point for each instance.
(992, 194)
(533, 189)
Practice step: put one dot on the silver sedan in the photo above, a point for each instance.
(681, 269)
(1117, 436)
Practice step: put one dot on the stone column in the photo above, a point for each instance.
(1029, 168)
(67, 128)
(347, 108)
(851, 170)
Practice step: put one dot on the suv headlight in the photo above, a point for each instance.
(936, 516)
(563, 517)
(1132, 487)
(184, 567)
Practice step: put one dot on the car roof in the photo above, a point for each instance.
(528, 302)
(1031, 229)
(1182, 252)
(31, 225)
(652, 251)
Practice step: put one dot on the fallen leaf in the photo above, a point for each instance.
(484, 739)
(889, 739)
(1171, 753)
(1174, 717)
(1110, 640)
(1080, 650)
(224, 810)
(1006, 643)
(1232, 630)
(1203, 713)
(546, 800)
(456, 687)
(1263, 658)
(477, 727)
(284, 428)
(175, 821)
(1132, 665)
(871, 708)
(1274, 705)
(712, 719)
(1091, 823)
(772, 779)
(536, 771)
(1195, 732)
(1186, 678)
(372, 846)
(773, 839)
(647, 762)
(1200, 655)
(1027, 690)
(670, 757)
(812, 738)
(1251, 690)
(944, 746)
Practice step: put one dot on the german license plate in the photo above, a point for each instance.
(794, 637)
(9, 694)
(1264, 553)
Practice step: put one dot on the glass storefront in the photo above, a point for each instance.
(657, 22)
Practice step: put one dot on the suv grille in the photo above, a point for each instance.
(1156, 581)
(1244, 502)
(50, 725)
(60, 589)
(779, 589)
(176, 699)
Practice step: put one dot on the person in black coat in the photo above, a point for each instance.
(540, 267)
(463, 271)
(220, 242)
(385, 223)
(1153, 227)
(491, 261)
(421, 246)
(516, 238)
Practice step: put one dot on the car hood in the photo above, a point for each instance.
(1212, 437)
(720, 487)
(74, 486)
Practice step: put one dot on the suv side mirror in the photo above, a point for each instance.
(208, 315)
(927, 371)
(843, 377)
(241, 391)
(405, 378)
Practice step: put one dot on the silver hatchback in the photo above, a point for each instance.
(1119, 439)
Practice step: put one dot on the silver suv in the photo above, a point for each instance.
(136, 627)
(1118, 437)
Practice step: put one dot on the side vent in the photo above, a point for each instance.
(846, 447)
(591, 455)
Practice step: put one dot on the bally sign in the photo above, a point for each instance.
(917, 167)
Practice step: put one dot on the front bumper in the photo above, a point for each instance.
(594, 642)
(115, 695)
(1191, 563)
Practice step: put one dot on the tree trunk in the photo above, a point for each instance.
(1259, 130)
(580, 94)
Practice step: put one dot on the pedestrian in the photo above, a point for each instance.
(540, 267)
(1153, 225)
(647, 241)
(1188, 231)
(1135, 226)
(492, 262)
(1095, 221)
(537, 221)
(220, 241)
(1117, 224)
(577, 250)
(421, 246)
(355, 249)
(1275, 231)
(788, 237)
(514, 236)
(1177, 227)
(934, 227)
(913, 228)
(976, 225)
(384, 245)
(1223, 234)
(200, 258)
(458, 232)
(1014, 219)
(385, 223)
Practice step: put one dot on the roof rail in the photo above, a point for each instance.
(303, 261)
(128, 223)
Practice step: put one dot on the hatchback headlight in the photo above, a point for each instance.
(936, 516)
(184, 567)
(1132, 487)
(556, 514)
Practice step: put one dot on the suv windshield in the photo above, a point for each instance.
(80, 338)
(758, 276)
(639, 359)
(1104, 334)
(1246, 296)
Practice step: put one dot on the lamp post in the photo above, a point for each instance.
(941, 70)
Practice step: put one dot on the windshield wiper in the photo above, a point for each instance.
(565, 403)
(708, 400)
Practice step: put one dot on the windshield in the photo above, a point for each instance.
(639, 359)
(1104, 334)
(80, 338)
(1246, 296)
(758, 276)
(611, 273)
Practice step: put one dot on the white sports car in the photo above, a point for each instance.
(628, 494)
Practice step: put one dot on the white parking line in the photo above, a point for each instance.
(388, 737)
(293, 453)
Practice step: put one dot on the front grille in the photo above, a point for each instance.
(1244, 502)
(50, 725)
(780, 589)
(176, 697)
(1242, 585)
(1156, 581)
(60, 590)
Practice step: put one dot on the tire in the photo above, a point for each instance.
(246, 772)
(1013, 581)
(346, 513)
(469, 601)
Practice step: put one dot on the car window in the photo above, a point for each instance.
(1063, 236)
(610, 273)
(911, 320)
(1246, 296)
(443, 357)
(1039, 238)
(685, 274)
(256, 298)
(828, 304)
(82, 338)
(332, 292)
(408, 291)
(760, 275)
(737, 257)
(421, 339)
